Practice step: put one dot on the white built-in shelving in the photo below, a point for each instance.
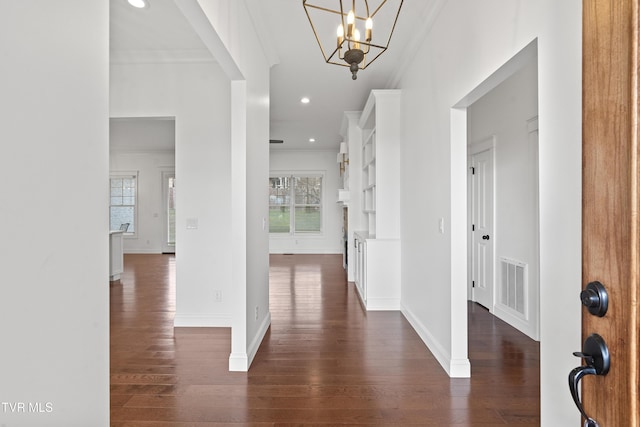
(369, 179)
(377, 245)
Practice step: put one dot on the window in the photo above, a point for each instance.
(300, 195)
(123, 202)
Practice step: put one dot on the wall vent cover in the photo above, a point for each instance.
(513, 284)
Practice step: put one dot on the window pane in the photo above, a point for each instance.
(122, 203)
(119, 215)
(279, 191)
(308, 190)
(308, 219)
(279, 219)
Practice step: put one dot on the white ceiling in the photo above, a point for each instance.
(161, 31)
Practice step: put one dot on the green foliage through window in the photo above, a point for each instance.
(301, 195)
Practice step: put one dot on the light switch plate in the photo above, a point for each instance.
(192, 223)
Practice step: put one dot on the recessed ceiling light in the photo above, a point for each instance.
(312, 140)
(140, 4)
(305, 100)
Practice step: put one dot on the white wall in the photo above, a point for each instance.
(55, 294)
(290, 162)
(198, 96)
(132, 149)
(467, 43)
(503, 115)
(227, 30)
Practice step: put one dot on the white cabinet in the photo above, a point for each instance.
(378, 244)
(378, 272)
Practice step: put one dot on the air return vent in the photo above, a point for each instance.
(513, 284)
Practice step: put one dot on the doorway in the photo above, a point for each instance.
(503, 200)
(145, 146)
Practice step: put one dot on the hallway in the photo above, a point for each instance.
(324, 361)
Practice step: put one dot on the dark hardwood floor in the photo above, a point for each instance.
(324, 361)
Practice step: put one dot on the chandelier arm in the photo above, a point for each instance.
(379, 7)
(324, 9)
(337, 50)
(335, 12)
(366, 64)
(395, 21)
(324, 55)
(374, 45)
(344, 28)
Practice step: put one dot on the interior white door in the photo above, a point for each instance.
(482, 228)
(169, 212)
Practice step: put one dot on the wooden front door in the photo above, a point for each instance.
(610, 226)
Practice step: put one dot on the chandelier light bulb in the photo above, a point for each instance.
(340, 35)
(140, 4)
(351, 17)
(356, 38)
(351, 22)
(368, 26)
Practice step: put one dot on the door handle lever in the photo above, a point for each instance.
(596, 356)
(574, 379)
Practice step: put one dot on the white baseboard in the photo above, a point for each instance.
(141, 251)
(377, 304)
(240, 362)
(460, 368)
(518, 323)
(455, 368)
(257, 339)
(383, 304)
(201, 321)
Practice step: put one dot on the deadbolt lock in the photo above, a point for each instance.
(595, 298)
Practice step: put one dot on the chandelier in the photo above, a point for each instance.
(345, 32)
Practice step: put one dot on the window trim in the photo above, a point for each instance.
(121, 175)
(293, 205)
